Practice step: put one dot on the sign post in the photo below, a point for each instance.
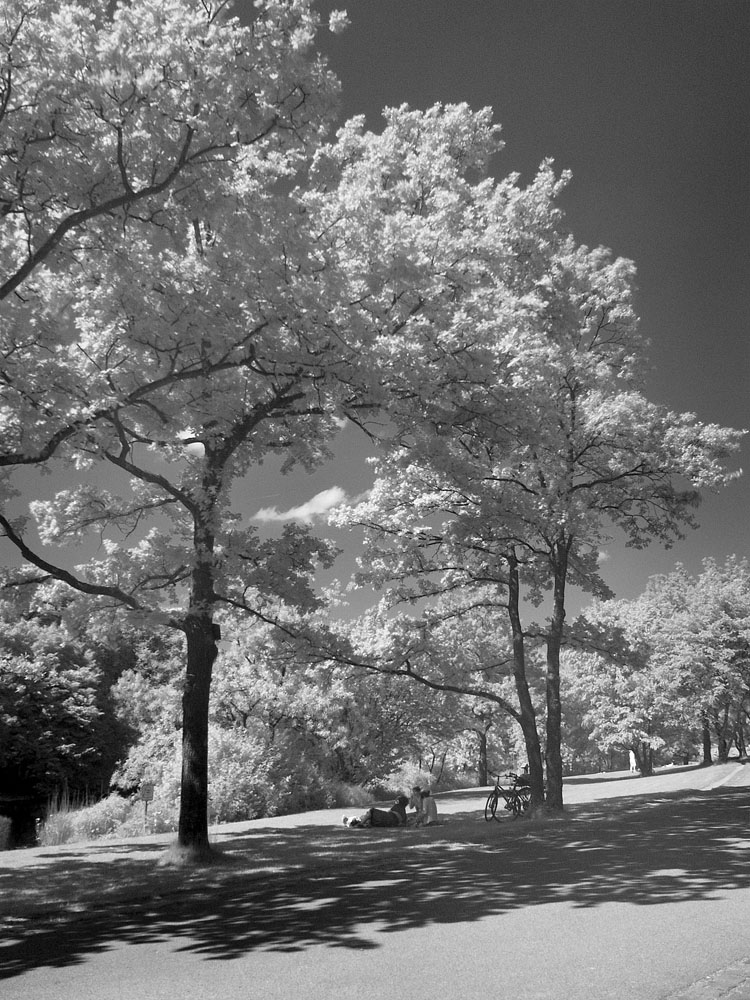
(146, 795)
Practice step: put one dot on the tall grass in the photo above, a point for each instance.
(70, 820)
(57, 826)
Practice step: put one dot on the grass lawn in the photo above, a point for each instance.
(59, 883)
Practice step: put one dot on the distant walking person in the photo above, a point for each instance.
(633, 764)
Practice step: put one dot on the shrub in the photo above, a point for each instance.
(161, 817)
(239, 774)
(343, 794)
(101, 819)
(401, 781)
(69, 822)
(301, 789)
(248, 779)
(154, 758)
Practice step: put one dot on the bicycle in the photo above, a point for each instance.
(517, 798)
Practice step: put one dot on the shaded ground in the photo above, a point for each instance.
(304, 881)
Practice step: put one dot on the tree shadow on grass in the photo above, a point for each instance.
(342, 888)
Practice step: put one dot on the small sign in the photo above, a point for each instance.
(147, 791)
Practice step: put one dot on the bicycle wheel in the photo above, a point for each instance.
(516, 804)
(490, 807)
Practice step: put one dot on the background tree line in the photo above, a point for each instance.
(90, 711)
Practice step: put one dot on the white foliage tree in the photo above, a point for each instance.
(521, 435)
(162, 316)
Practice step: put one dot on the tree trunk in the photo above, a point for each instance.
(192, 834)
(527, 717)
(721, 727)
(442, 766)
(554, 708)
(707, 758)
(644, 757)
(739, 738)
(482, 774)
(201, 635)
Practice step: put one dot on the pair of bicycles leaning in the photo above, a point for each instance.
(516, 797)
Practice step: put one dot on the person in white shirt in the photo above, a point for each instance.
(423, 802)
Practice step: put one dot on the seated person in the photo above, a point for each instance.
(429, 808)
(422, 800)
(415, 802)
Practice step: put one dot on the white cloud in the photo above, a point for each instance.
(321, 503)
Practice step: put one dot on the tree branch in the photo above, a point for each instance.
(58, 573)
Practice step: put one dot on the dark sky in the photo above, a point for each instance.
(646, 101)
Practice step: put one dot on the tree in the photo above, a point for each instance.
(161, 317)
(308, 728)
(711, 648)
(521, 435)
(685, 671)
(60, 734)
(458, 651)
(497, 743)
(350, 724)
(580, 753)
(627, 705)
(51, 732)
(148, 693)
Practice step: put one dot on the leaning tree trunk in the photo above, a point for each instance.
(554, 708)
(527, 715)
